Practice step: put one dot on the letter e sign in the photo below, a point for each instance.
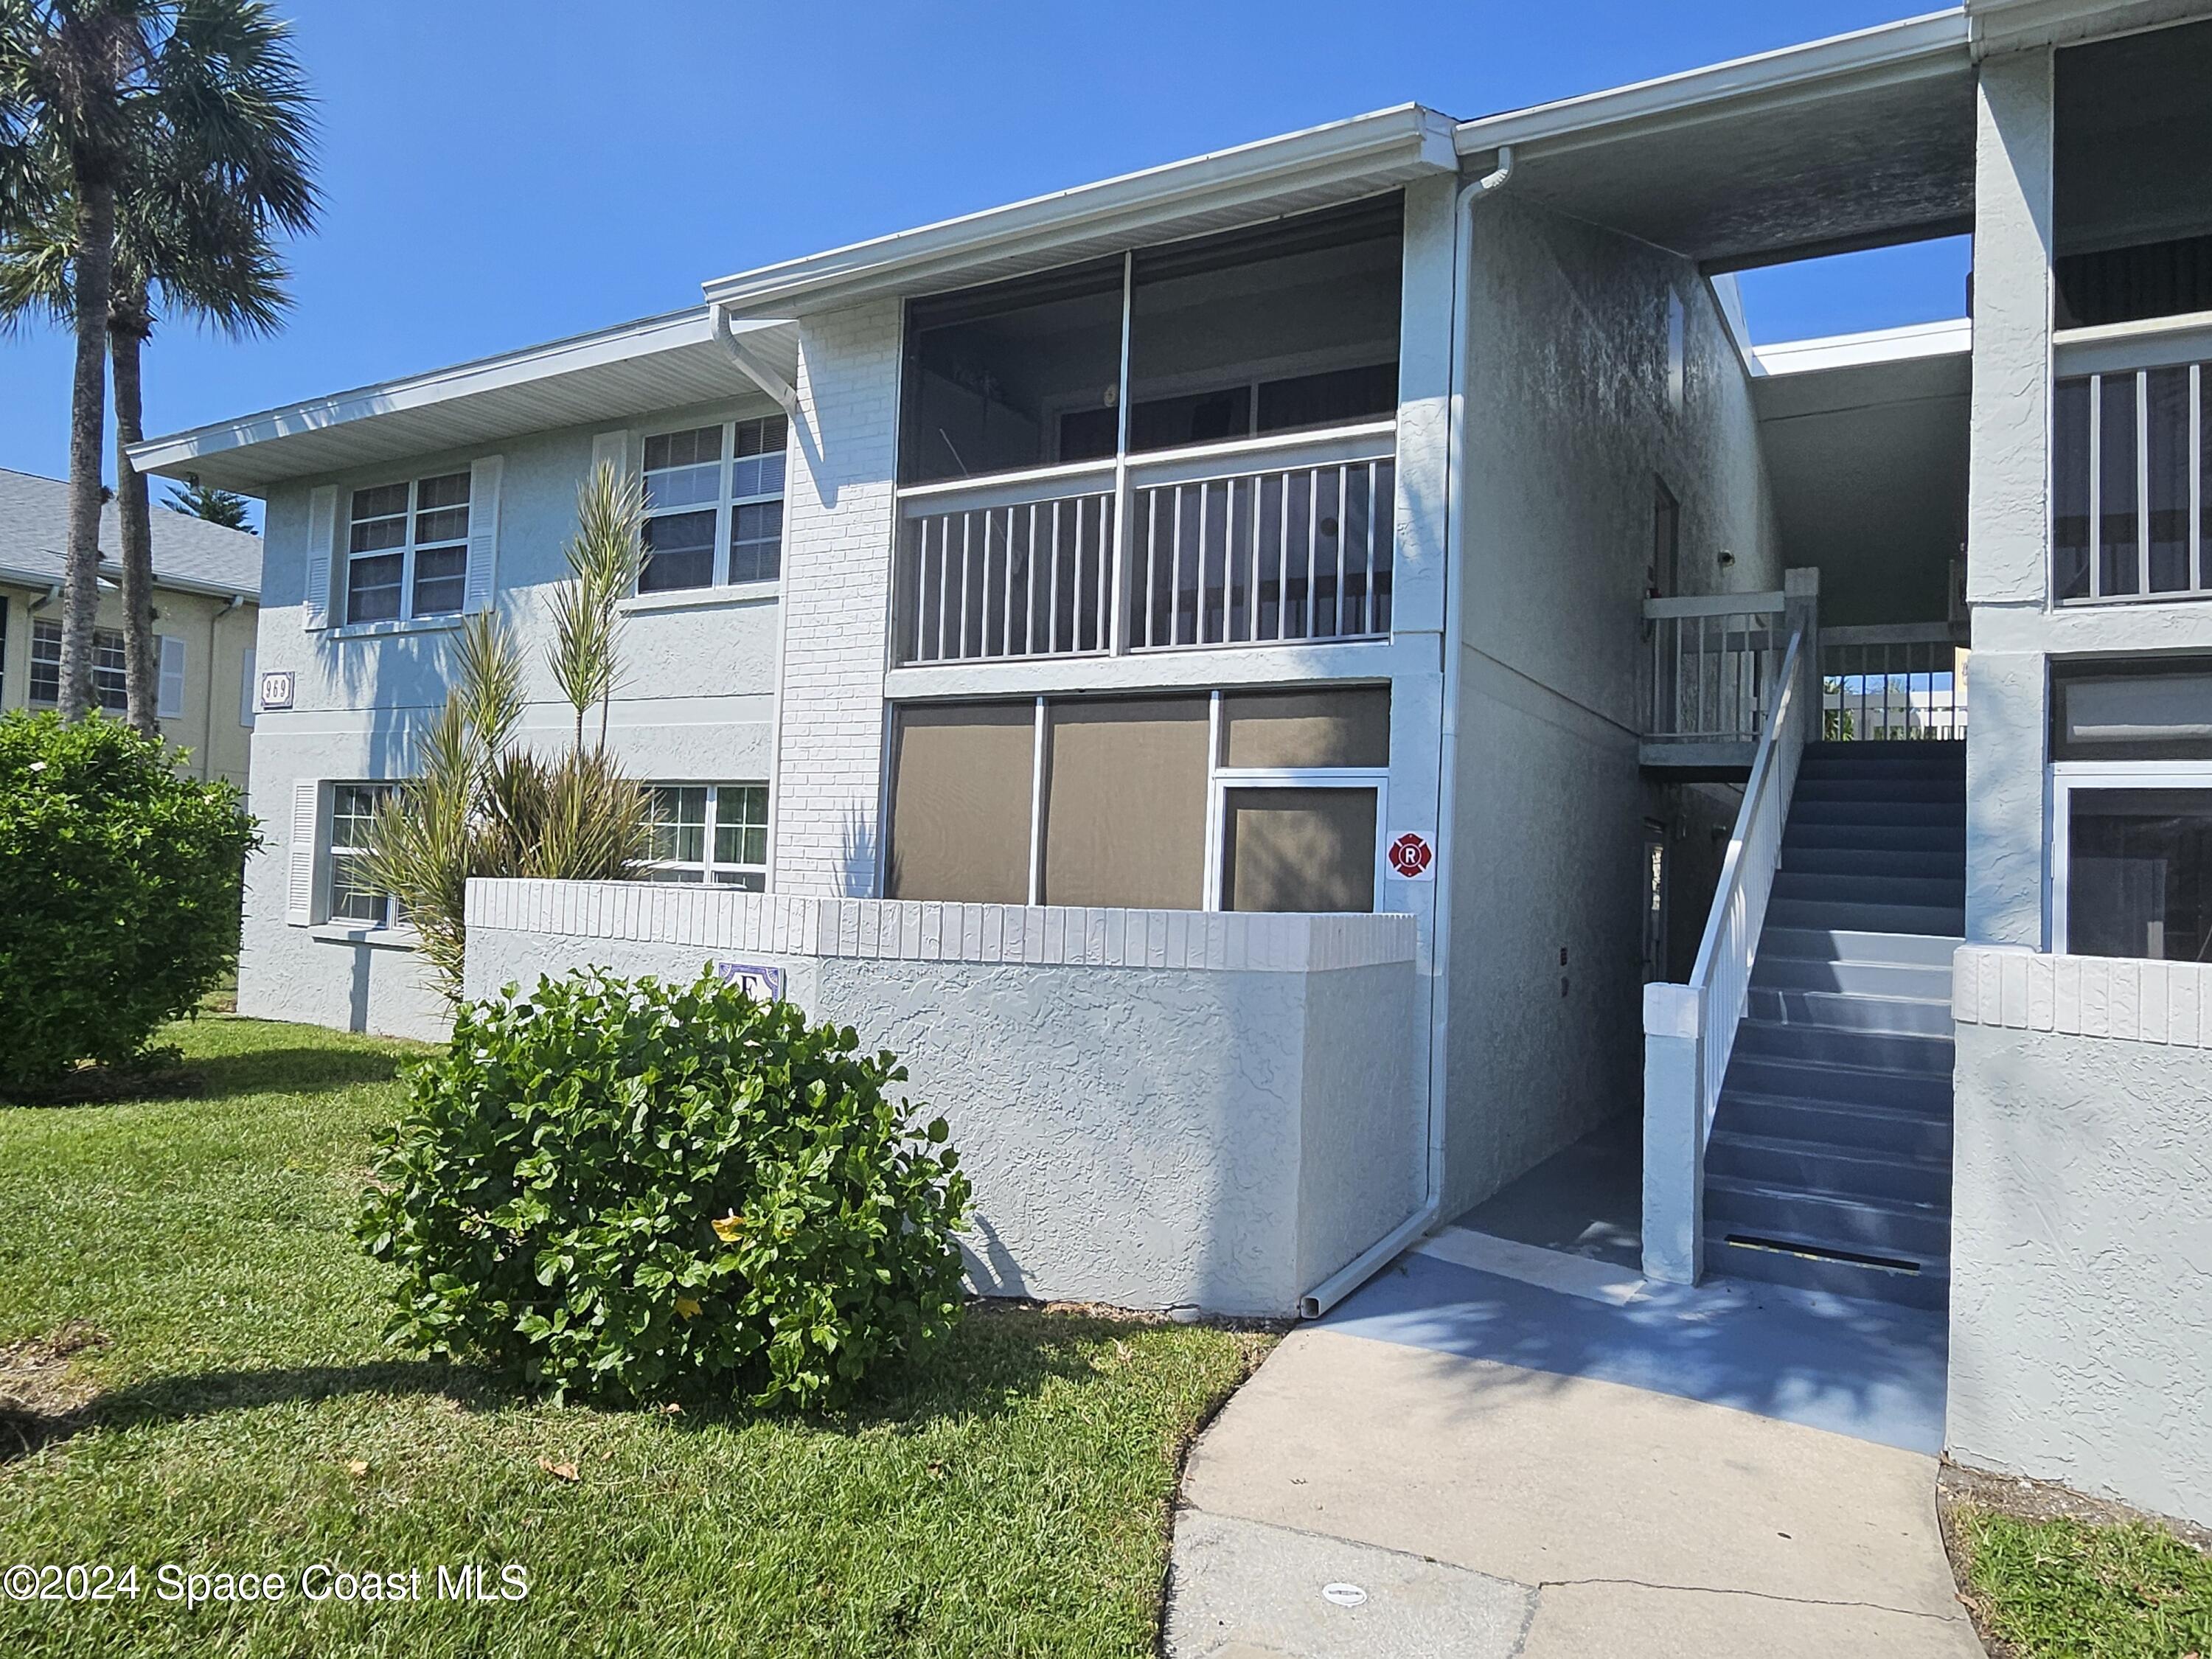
(1411, 858)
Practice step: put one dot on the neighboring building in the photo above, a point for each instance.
(1393, 517)
(207, 591)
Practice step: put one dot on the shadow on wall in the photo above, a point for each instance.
(857, 857)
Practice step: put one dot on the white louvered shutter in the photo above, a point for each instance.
(610, 449)
(307, 831)
(170, 702)
(483, 534)
(322, 546)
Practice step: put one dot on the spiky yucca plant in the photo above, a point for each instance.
(479, 805)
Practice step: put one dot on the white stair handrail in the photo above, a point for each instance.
(1689, 1030)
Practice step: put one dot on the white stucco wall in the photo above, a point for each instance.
(2082, 1226)
(696, 704)
(1569, 424)
(1157, 1108)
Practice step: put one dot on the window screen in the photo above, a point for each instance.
(1298, 849)
(1283, 325)
(1298, 729)
(2139, 875)
(1011, 375)
(961, 781)
(2124, 711)
(1125, 813)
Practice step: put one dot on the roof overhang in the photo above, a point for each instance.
(2019, 25)
(1318, 167)
(662, 363)
(1856, 141)
(111, 575)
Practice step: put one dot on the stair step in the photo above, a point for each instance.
(1922, 1054)
(1854, 944)
(1916, 755)
(1946, 838)
(1796, 1077)
(1852, 1010)
(1947, 921)
(1943, 814)
(1928, 1287)
(1877, 787)
(1774, 971)
(1870, 1128)
(1895, 1228)
(1940, 892)
(1921, 1178)
(1875, 863)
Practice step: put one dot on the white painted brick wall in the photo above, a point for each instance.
(2133, 1001)
(889, 930)
(837, 594)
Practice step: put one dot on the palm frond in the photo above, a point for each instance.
(602, 558)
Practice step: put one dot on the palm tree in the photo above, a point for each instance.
(68, 69)
(204, 140)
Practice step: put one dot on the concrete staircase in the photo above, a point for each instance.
(1829, 1166)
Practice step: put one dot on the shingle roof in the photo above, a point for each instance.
(187, 551)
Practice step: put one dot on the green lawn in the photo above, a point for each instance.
(2074, 1590)
(1009, 1497)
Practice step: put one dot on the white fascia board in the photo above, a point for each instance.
(1933, 44)
(673, 332)
(112, 574)
(1950, 338)
(2018, 25)
(1388, 143)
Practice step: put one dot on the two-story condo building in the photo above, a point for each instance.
(1300, 682)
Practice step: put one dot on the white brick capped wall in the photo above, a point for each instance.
(889, 930)
(836, 598)
(2132, 1001)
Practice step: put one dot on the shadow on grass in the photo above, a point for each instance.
(296, 1071)
(997, 1360)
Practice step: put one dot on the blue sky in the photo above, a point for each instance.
(501, 172)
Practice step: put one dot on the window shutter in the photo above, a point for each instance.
(307, 830)
(322, 543)
(610, 449)
(245, 688)
(170, 703)
(483, 534)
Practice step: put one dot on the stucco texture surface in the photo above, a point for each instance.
(1569, 429)
(2082, 1242)
(1148, 1138)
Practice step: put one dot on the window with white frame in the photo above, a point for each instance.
(353, 897)
(1245, 799)
(713, 503)
(108, 674)
(710, 833)
(2131, 865)
(407, 550)
(2131, 808)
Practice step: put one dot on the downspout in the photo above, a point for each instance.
(1379, 1256)
(207, 729)
(753, 367)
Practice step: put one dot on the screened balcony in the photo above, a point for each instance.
(2131, 466)
(1182, 447)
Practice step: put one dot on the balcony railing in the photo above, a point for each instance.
(1716, 663)
(1902, 681)
(2130, 470)
(1280, 540)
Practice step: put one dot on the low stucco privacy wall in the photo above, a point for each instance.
(2082, 1230)
(1158, 1108)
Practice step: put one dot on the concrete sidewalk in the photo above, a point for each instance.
(1459, 1505)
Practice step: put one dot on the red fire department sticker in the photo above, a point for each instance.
(1410, 856)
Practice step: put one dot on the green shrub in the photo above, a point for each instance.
(622, 1189)
(119, 893)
